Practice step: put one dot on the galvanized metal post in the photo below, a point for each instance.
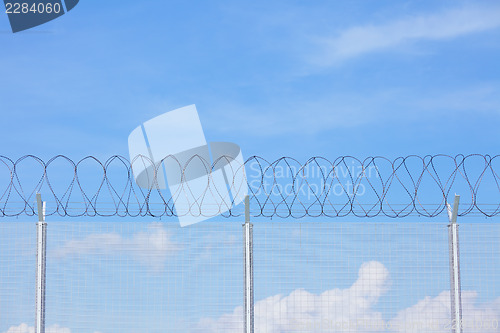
(41, 236)
(455, 287)
(248, 276)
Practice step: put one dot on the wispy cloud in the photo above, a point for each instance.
(433, 314)
(351, 110)
(151, 247)
(364, 39)
(24, 328)
(304, 116)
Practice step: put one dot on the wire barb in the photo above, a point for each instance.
(285, 187)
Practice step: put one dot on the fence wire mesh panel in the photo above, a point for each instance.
(17, 274)
(308, 277)
(122, 277)
(372, 277)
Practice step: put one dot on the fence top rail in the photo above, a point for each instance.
(281, 188)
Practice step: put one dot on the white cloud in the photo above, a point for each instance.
(432, 314)
(24, 328)
(303, 311)
(353, 310)
(363, 39)
(151, 247)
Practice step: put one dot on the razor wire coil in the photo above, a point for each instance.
(283, 188)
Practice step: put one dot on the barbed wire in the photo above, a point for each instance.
(285, 187)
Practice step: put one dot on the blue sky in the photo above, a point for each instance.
(281, 78)
(287, 78)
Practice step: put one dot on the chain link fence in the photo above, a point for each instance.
(309, 276)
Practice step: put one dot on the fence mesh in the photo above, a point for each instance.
(308, 277)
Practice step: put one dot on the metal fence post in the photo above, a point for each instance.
(455, 287)
(41, 236)
(248, 267)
